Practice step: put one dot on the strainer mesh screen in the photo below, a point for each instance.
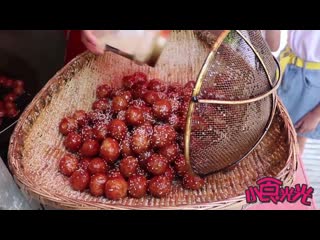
(223, 134)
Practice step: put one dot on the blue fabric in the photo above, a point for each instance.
(300, 93)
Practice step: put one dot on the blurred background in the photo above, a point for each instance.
(311, 155)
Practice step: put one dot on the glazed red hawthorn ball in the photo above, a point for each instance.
(139, 89)
(97, 116)
(129, 166)
(119, 103)
(137, 186)
(190, 84)
(187, 92)
(97, 184)
(126, 146)
(174, 94)
(175, 88)
(68, 125)
(139, 77)
(110, 150)
(8, 83)
(156, 85)
(170, 152)
(157, 164)
(79, 180)
(12, 112)
(163, 135)
(18, 91)
(139, 103)
(169, 173)
(140, 82)
(81, 117)
(10, 97)
(143, 158)
(175, 105)
(84, 163)
(9, 105)
(142, 172)
(184, 107)
(148, 128)
(73, 142)
(118, 129)
(116, 92)
(103, 91)
(114, 173)
(180, 165)
(97, 165)
(3, 112)
(159, 186)
(180, 141)
(87, 133)
(128, 81)
(151, 97)
(18, 83)
(175, 122)
(126, 94)
(162, 109)
(2, 80)
(192, 182)
(134, 116)
(90, 148)
(68, 165)
(100, 131)
(148, 115)
(140, 141)
(121, 115)
(163, 95)
(188, 88)
(116, 188)
(101, 104)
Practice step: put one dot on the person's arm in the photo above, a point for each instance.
(272, 38)
(90, 41)
(309, 122)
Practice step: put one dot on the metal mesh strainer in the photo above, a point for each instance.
(233, 102)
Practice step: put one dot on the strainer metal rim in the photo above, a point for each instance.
(250, 100)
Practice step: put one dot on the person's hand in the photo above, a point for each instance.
(91, 42)
(272, 37)
(308, 123)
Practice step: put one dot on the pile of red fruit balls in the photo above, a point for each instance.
(11, 90)
(131, 142)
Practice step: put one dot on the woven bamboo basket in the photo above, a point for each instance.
(36, 145)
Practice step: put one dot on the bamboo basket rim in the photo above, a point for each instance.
(287, 174)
